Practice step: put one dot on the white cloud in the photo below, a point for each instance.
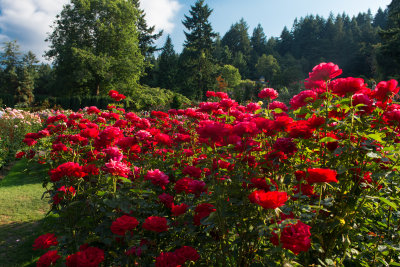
(29, 21)
(161, 13)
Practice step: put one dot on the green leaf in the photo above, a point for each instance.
(327, 139)
(376, 137)
(389, 203)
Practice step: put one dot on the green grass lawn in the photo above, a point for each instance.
(22, 214)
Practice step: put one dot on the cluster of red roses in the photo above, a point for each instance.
(173, 170)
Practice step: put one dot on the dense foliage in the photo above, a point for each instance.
(14, 124)
(95, 47)
(88, 61)
(222, 184)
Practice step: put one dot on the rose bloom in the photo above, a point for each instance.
(295, 238)
(286, 145)
(324, 72)
(268, 93)
(177, 210)
(385, 90)
(113, 153)
(167, 259)
(268, 200)
(87, 257)
(319, 175)
(117, 168)
(202, 211)
(280, 105)
(186, 253)
(45, 241)
(192, 171)
(300, 129)
(347, 86)
(166, 199)
(157, 177)
(48, 259)
(123, 224)
(245, 127)
(155, 224)
(302, 99)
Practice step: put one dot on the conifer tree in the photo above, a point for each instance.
(196, 62)
(167, 66)
(390, 50)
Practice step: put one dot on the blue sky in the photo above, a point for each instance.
(28, 21)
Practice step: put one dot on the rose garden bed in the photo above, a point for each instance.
(223, 184)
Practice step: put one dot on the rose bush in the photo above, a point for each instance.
(230, 185)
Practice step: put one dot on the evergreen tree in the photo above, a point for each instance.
(285, 41)
(147, 36)
(390, 50)
(200, 35)
(381, 19)
(258, 44)
(10, 63)
(238, 41)
(196, 60)
(95, 47)
(258, 41)
(167, 66)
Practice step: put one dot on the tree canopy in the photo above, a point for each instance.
(94, 45)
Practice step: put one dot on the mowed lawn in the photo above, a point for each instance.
(22, 213)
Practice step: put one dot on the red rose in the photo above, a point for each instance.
(202, 211)
(324, 72)
(300, 129)
(296, 238)
(166, 199)
(29, 141)
(302, 99)
(268, 200)
(385, 90)
(20, 155)
(186, 253)
(123, 224)
(167, 259)
(245, 127)
(347, 86)
(48, 259)
(155, 224)
(88, 257)
(157, 177)
(268, 93)
(177, 210)
(319, 175)
(192, 171)
(45, 241)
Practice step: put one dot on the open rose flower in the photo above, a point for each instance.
(123, 224)
(155, 224)
(45, 241)
(319, 175)
(295, 238)
(48, 259)
(268, 200)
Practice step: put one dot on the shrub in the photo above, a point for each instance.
(232, 185)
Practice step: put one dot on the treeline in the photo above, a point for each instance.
(363, 46)
(101, 45)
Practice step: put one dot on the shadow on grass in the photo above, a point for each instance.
(30, 172)
(16, 241)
